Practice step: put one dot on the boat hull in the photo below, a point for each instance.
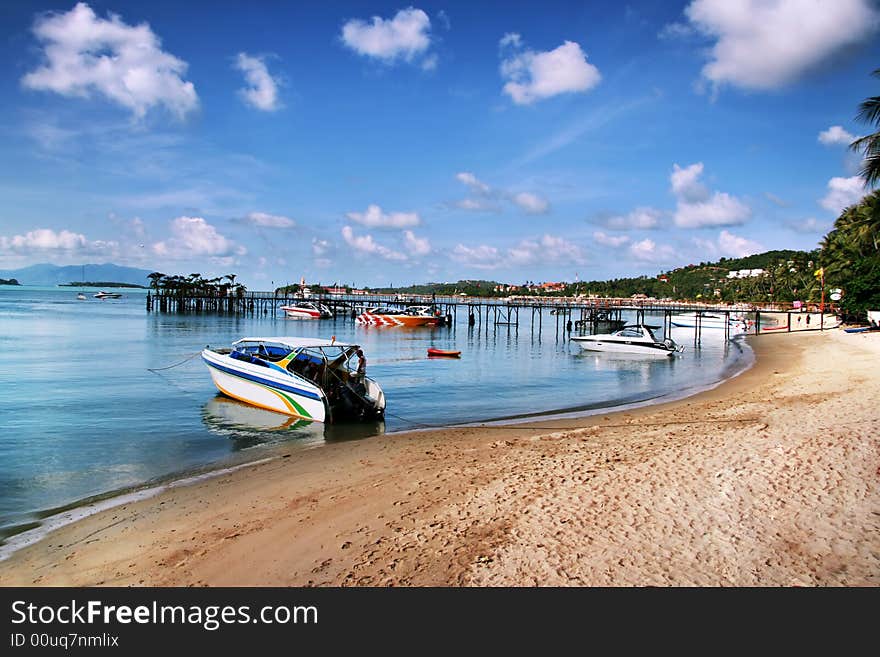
(300, 313)
(609, 346)
(443, 353)
(261, 387)
(370, 319)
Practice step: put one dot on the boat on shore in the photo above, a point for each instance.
(307, 310)
(306, 377)
(107, 295)
(633, 339)
(413, 316)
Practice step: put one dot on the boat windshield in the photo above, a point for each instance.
(630, 332)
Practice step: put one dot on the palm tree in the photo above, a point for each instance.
(869, 112)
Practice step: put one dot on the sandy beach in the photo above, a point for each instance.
(771, 479)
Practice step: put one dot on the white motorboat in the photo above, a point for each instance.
(81, 297)
(307, 310)
(706, 320)
(306, 377)
(107, 295)
(633, 339)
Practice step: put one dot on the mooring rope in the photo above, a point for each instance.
(185, 360)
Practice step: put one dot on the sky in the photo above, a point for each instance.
(376, 144)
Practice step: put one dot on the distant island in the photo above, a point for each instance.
(9, 281)
(99, 284)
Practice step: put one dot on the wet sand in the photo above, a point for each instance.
(771, 479)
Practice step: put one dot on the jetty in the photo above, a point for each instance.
(561, 314)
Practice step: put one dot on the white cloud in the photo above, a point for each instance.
(696, 207)
(262, 92)
(531, 203)
(375, 218)
(511, 40)
(640, 218)
(686, 184)
(477, 205)
(193, 236)
(836, 135)
(477, 186)
(269, 220)
(648, 250)
(765, 44)
(366, 244)
(549, 249)
(320, 247)
(47, 240)
(533, 76)
(809, 225)
(842, 193)
(481, 257)
(729, 245)
(416, 246)
(609, 240)
(403, 37)
(86, 54)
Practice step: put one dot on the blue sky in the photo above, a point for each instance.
(388, 143)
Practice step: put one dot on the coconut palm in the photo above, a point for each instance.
(869, 112)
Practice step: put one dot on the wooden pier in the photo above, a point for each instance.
(579, 316)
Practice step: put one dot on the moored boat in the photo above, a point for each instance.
(306, 377)
(107, 295)
(634, 339)
(411, 317)
(307, 310)
(705, 320)
(443, 353)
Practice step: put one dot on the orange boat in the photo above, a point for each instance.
(412, 316)
(446, 353)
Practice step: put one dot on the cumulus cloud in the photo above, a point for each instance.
(85, 54)
(641, 218)
(648, 250)
(262, 90)
(766, 44)
(265, 220)
(486, 199)
(842, 193)
(729, 245)
(193, 236)
(416, 246)
(610, 240)
(531, 203)
(477, 186)
(48, 241)
(697, 207)
(321, 250)
(406, 36)
(836, 135)
(531, 76)
(366, 244)
(547, 249)
(374, 217)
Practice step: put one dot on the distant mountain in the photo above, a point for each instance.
(46, 274)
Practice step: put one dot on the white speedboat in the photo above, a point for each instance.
(634, 339)
(107, 295)
(307, 310)
(705, 320)
(81, 297)
(306, 377)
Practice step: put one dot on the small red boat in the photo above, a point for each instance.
(443, 352)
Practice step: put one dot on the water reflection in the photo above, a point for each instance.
(247, 426)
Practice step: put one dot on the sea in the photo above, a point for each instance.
(101, 397)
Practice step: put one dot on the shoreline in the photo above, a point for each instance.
(46, 521)
(463, 505)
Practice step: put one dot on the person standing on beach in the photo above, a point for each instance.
(361, 373)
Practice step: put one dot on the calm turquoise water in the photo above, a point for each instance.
(81, 414)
